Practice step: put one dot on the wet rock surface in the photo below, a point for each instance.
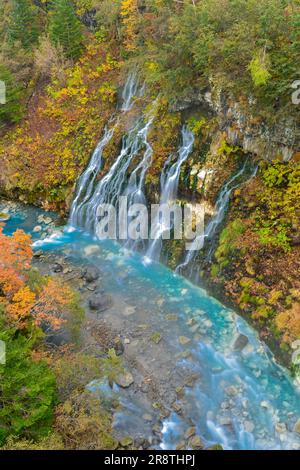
(100, 302)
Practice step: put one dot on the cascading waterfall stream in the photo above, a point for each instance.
(169, 186)
(131, 90)
(87, 180)
(89, 194)
(216, 221)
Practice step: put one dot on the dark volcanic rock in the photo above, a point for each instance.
(100, 302)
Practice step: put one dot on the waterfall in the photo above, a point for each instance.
(216, 221)
(131, 90)
(85, 189)
(115, 183)
(169, 186)
(118, 181)
(87, 180)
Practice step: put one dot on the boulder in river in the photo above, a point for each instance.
(100, 302)
(240, 343)
(183, 340)
(91, 250)
(91, 274)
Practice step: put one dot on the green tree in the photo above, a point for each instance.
(27, 389)
(12, 110)
(65, 28)
(23, 23)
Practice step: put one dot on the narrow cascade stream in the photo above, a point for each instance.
(169, 187)
(216, 221)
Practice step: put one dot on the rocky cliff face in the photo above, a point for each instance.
(245, 128)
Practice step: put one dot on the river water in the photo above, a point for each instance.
(240, 398)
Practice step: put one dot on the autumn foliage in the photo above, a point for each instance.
(129, 13)
(42, 305)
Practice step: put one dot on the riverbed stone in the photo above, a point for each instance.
(225, 421)
(240, 343)
(171, 317)
(91, 250)
(126, 441)
(190, 432)
(37, 229)
(47, 220)
(4, 216)
(129, 311)
(183, 340)
(181, 445)
(264, 404)
(57, 268)
(91, 274)
(297, 427)
(38, 253)
(280, 428)
(100, 302)
(147, 417)
(196, 443)
(125, 379)
(156, 338)
(118, 346)
(231, 391)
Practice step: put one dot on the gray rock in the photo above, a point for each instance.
(57, 268)
(118, 346)
(91, 274)
(38, 253)
(100, 302)
(124, 380)
(240, 343)
(37, 229)
(147, 417)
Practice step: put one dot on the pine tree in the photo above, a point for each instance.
(65, 28)
(23, 23)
